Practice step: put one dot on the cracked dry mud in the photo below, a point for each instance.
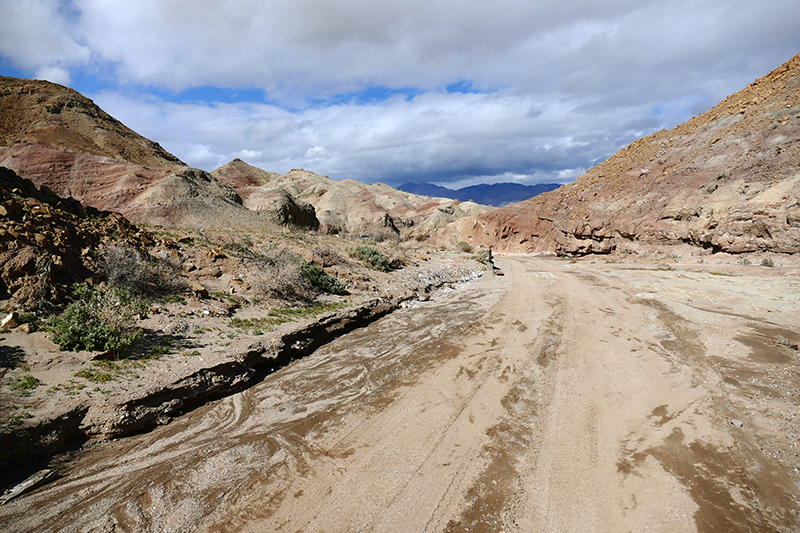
(559, 397)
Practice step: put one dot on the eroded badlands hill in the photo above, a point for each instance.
(344, 206)
(34, 112)
(727, 180)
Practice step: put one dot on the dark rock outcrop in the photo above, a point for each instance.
(46, 242)
(283, 209)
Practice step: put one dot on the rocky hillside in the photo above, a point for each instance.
(727, 180)
(34, 112)
(57, 138)
(342, 206)
(46, 242)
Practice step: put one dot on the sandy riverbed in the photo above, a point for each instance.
(558, 397)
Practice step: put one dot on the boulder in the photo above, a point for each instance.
(10, 321)
(198, 290)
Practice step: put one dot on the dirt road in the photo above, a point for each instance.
(559, 397)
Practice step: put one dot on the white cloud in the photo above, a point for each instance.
(312, 47)
(55, 74)
(437, 137)
(35, 35)
(250, 154)
(317, 153)
(560, 85)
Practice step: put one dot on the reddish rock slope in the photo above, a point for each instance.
(58, 138)
(46, 114)
(727, 180)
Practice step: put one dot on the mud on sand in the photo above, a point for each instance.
(559, 397)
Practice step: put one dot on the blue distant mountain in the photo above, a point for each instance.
(496, 194)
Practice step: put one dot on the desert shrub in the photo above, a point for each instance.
(326, 256)
(767, 262)
(464, 247)
(24, 383)
(373, 257)
(284, 275)
(244, 247)
(398, 260)
(322, 280)
(140, 274)
(485, 256)
(95, 374)
(28, 318)
(281, 277)
(744, 261)
(384, 235)
(100, 318)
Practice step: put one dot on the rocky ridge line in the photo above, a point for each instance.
(344, 206)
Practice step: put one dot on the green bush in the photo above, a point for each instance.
(372, 257)
(464, 247)
(28, 318)
(100, 319)
(767, 262)
(322, 280)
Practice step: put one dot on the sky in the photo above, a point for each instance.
(452, 92)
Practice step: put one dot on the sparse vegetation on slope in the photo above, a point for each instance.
(321, 280)
(139, 273)
(373, 257)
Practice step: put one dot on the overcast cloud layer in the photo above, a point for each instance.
(453, 92)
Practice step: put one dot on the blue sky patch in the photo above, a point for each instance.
(463, 87)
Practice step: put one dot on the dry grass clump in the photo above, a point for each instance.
(280, 277)
(139, 273)
(384, 235)
(326, 256)
(285, 275)
(398, 258)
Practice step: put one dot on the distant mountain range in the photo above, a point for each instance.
(496, 194)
